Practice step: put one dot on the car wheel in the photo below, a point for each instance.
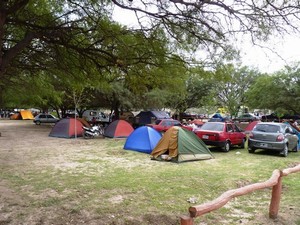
(38, 122)
(285, 150)
(243, 144)
(251, 150)
(295, 149)
(226, 146)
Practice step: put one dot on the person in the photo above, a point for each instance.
(295, 123)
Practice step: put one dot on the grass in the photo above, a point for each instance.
(126, 187)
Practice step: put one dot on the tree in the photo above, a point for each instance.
(279, 92)
(200, 24)
(52, 36)
(231, 85)
(197, 89)
(63, 37)
(72, 45)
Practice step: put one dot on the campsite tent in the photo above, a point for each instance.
(67, 128)
(118, 129)
(218, 117)
(84, 122)
(179, 145)
(146, 117)
(143, 139)
(15, 116)
(251, 125)
(22, 115)
(26, 115)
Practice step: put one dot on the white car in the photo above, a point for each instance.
(45, 118)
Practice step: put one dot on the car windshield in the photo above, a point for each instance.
(213, 126)
(267, 128)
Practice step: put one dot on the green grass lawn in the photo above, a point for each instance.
(97, 182)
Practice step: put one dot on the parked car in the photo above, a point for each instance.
(164, 124)
(222, 134)
(96, 116)
(246, 117)
(45, 118)
(273, 136)
(270, 118)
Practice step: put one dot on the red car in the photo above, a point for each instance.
(222, 134)
(163, 125)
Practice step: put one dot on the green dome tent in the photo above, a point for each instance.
(180, 145)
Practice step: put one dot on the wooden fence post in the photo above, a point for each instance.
(275, 200)
(186, 220)
(275, 182)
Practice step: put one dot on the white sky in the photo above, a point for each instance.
(288, 49)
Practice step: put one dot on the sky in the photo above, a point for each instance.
(287, 48)
(284, 50)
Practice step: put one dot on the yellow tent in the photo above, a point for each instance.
(22, 115)
(26, 115)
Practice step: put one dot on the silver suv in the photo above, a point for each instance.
(273, 136)
(45, 118)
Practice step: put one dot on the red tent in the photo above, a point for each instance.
(198, 122)
(67, 128)
(118, 129)
(251, 125)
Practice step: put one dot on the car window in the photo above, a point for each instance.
(229, 128)
(267, 128)
(157, 122)
(102, 115)
(42, 116)
(213, 126)
(50, 117)
(168, 123)
(175, 123)
(93, 113)
(236, 128)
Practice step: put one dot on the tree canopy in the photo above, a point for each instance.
(75, 47)
(214, 22)
(279, 92)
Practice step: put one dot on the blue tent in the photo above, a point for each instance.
(143, 139)
(218, 117)
(146, 117)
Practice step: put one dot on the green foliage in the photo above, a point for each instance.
(196, 92)
(72, 53)
(278, 92)
(231, 85)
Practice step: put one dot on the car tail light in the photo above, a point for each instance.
(280, 137)
(251, 135)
